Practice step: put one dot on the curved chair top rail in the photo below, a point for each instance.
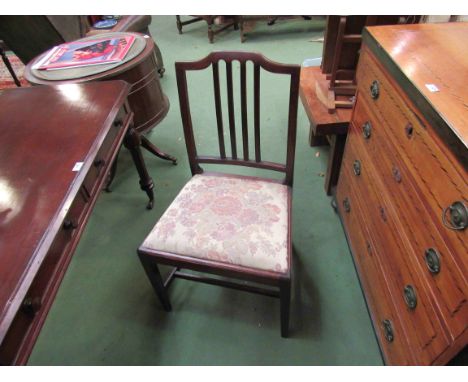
(241, 56)
(237, 158)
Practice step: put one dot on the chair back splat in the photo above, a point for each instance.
(259, 61)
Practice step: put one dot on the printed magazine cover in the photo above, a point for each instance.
(86, 53)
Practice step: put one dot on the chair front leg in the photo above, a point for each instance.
(152, 271)
(285, 302)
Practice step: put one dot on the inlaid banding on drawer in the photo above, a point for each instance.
(448, 286)
(385, 317)
(423, 329)
(438, 179)
(427, 156)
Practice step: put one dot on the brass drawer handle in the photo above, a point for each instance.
(374, 89)
(31, 305)
(432, 258)
(99, 163)
(411, 299)
(388, 330)
(458, 216)
(346, 205)
(69, 224)
(396, 174)
(357, 167)
(366, 130)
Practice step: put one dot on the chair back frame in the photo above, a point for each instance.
(259, 61)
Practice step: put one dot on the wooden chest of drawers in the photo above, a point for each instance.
(402, 192)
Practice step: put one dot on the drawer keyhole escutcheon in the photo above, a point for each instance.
(374, 89)
(458, 219)
(346, 205)
(409, 129)
(367, 130)
(357, 167)
(388, 330)
(432, 258)
(410, 297)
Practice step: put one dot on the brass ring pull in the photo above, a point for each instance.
(388, 330)
(374, 89)
(357, 167)
(366, 130)
(410, 297)
(432, 258)
(458, 216)
(346, 205)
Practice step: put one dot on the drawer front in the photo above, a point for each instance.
(436, 263)
(101, 161)
(387, 323)
(30, 317)
(416, 308)
(439, 177)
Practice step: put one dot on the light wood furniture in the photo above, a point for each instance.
(402, 191)
(255, 213)
(47, 196)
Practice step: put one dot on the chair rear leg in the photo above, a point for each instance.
(285, 302)
(152, 271)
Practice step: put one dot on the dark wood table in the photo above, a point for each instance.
(58, 144)
(146, 97)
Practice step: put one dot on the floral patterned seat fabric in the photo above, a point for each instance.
(228, 219)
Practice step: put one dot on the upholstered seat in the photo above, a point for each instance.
(236, 220)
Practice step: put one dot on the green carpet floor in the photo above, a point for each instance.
(106, 313)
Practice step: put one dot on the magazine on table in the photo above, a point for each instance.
(86, 53)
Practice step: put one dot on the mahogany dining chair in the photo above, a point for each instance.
(234, 226)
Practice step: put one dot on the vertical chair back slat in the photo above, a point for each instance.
(245, 131)
(292, 123)
(258, 156)
(219, 112)
(232, 122)
(259, 61)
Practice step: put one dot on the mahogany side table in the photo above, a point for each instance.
(58, 143)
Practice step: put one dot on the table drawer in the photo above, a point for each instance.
(416, 308)
(386, 321)
(439, 176)
(103, 157)
(445, 279)
(30, 317)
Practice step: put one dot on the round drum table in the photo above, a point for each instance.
(146, 99)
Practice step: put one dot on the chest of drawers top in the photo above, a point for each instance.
(429, 62)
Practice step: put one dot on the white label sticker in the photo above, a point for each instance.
(432, 88)
(77, 166)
